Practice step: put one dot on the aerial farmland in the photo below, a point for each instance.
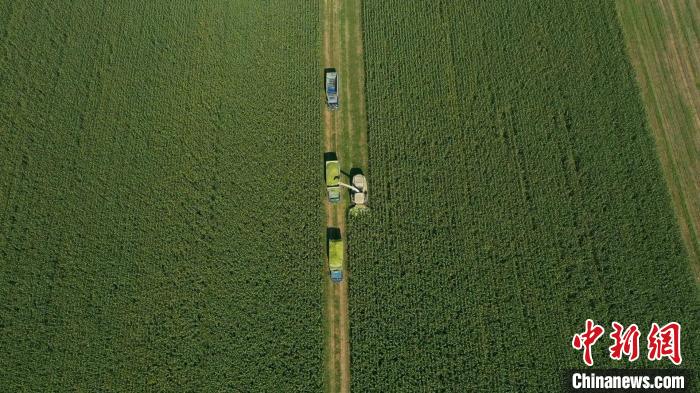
(348, 195)
(531, 197)
(153, 236)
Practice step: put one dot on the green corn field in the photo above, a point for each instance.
(516, 193)
(164, 214)
(147, 237)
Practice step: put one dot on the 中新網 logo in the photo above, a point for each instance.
(662, 342)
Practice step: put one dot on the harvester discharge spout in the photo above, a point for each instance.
(355, 189)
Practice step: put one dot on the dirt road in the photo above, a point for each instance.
(337, 365)
(345, 133)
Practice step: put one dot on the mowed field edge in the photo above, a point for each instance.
(663, 42)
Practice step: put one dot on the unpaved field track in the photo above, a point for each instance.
(337, 367)
(345, 132)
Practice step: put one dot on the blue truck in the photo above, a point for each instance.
(332, 89)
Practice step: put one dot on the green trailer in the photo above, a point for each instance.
(335, 259)
(333, 181)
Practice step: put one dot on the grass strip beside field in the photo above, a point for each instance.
(663, 43)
